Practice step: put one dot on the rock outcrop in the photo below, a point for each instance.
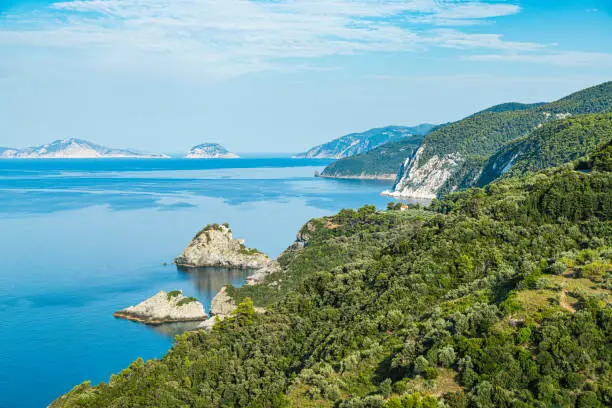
(222, 307)
(222, 304)
(165, 308)
(260, 274)
(215, 246)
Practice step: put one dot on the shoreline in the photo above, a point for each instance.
(155, 322)
(382, 177)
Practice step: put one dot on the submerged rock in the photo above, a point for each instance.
(165, 308)
(215, 246)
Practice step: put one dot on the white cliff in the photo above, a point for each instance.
(165, 308)
(423, 180)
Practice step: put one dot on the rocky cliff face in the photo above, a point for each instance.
(419, 178)
(165, 308)
(215, 246)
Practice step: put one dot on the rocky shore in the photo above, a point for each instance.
(215, 246)
(165, 307)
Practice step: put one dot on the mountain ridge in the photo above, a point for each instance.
(453, 157)
(73, 148)
(356, 143)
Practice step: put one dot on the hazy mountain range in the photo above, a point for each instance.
(357, 143)
(73, 149)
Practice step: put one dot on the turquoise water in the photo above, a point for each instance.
(80, 239)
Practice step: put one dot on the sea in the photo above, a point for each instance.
(80, 239)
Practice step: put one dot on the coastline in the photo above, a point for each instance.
(381, 177)
(154, 322)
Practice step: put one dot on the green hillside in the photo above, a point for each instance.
(494, 297)
(513, 106)
(469, 143)
(381, 162)
(553, 144)
(482, 134)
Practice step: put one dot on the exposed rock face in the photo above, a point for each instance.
(424, 180)
(210, 151)
(165, 308)
(261, 273)
(222, 304)
(215, 246)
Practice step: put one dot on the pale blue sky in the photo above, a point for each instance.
(281, 75)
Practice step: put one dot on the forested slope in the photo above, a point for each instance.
(493, 297)
(452, 158)
(551, 145)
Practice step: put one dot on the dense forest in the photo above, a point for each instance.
(551, 145)
(491, 297)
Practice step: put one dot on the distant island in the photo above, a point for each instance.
(210, 151)
(358, 143)
(73, 149)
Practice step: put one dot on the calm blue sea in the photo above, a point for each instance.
(80, 239)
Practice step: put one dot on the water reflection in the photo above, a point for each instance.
(172, 329)
(209, 281)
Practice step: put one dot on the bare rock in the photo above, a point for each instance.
(215, 246)
(165, 308)
(222, 304)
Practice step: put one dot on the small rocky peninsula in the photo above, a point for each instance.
(165, 307)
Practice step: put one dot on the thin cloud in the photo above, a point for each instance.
(233, 37)
(560, 59)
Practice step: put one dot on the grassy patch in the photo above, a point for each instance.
(174, 294)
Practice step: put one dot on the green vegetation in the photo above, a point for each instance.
(174, 294)
(186, 301)
(513, 106)
(383, 161)
(553, 144)
(486, 139)
(479, 136)
(213, 227)
(249, 251)
(492, 297)
(356, 143)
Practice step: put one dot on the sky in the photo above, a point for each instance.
(281, 75)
